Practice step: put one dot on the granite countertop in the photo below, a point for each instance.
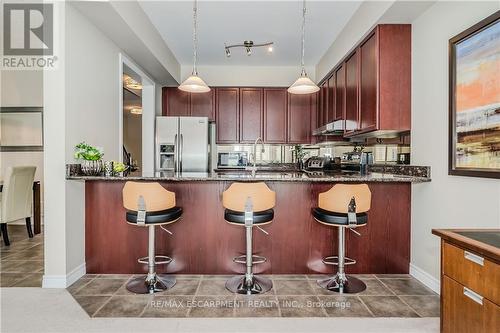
(281, 176)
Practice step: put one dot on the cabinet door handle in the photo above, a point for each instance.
(474, 258)
(473, 296)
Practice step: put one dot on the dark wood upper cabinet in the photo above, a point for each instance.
(368, 84)
(325, 104)
(251, 114)
(175, 102)
(299, 118)
(319, 111)
(384, 82)
(394, 76)
(227, 115)
(331, 99)
(244, 114)
(339, 92)
(275, 110)
(203, 105)
(351, 98)
(371, 88)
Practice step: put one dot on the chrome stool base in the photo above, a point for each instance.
(140, 285)
(349, 285)
(259, 285)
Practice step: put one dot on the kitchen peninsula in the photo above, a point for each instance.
(202, 243)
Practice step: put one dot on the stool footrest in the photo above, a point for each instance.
(159, 260)
(255, 259)
(334, 260)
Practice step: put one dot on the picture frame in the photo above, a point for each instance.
(474, 100)
(21, 129)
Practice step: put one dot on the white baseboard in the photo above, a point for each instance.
(64, 281)
(424, 277)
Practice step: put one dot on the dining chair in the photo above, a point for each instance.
(17, 198)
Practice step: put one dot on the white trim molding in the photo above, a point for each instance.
(424, 277)
(64, 281)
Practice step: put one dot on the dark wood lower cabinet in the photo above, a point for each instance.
(203, 243)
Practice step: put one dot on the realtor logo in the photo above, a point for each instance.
(28, 29)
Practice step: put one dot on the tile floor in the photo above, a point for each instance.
(21, 263)
(291, 296)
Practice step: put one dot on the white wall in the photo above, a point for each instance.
(21, 88)
(448, 201)
(282, 76)
(363, 20)
(82, 99)
(368, 15)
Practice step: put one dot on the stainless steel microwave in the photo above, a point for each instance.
(233, 159)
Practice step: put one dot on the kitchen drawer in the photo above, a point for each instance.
(473, 271)
(465, 311)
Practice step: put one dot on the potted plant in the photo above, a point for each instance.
(91, 158)
(119, 168)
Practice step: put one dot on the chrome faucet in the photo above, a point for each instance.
(262, 150)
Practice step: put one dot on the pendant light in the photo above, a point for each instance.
(303, 85)
(194, 83)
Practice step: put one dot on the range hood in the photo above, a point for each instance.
(333, 128)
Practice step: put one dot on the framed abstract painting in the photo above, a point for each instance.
(474, 101)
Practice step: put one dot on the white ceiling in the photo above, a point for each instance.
(232, 22)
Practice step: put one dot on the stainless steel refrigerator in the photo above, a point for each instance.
(182, 144)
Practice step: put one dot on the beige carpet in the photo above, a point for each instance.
(54, 310)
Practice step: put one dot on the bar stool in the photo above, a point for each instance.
(343, 206)
(150, 205)
(249, 205)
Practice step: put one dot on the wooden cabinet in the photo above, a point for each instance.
(175, 102)
(325, 103)
(180, 103)
(351, 114)
(203, 105)
(227, 115)
(244, 114)
(339, 92)
(368, 84)
(275, 112)
(470, 283)
(300, 109)
(384, 81)
(371, 88)
(251, 114)
(321, 94)
(461, 313)
(331, 99)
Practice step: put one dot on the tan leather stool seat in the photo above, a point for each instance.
(155, 206)
(337, 219)
(258, 217)
(157, 218)
(343, 206)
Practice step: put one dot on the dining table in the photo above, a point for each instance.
(37, 212)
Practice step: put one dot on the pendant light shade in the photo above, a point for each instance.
(303, 85)
(194, 84)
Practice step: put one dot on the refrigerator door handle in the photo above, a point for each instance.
(181, 148)
(175, 153)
